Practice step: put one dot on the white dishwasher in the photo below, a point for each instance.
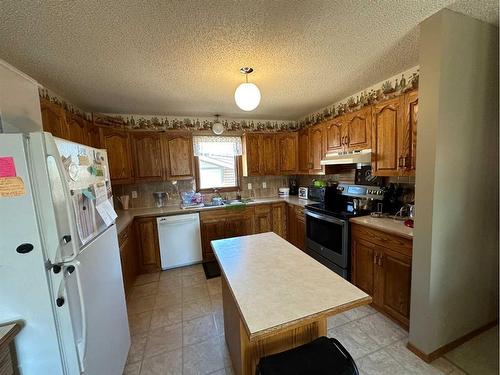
(180, 240)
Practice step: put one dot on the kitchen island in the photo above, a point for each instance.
(276, 297)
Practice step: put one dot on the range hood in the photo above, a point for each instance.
(362, 157)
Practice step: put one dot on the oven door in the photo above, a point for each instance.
(328, 236)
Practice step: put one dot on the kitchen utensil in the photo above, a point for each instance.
(124, 201)
(160, 198)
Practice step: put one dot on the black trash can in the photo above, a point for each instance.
(323, 356)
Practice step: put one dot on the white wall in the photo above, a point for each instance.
(19, 101)
(455, 250)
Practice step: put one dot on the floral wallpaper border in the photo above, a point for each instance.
(143, 122)
(390, 88)
(45, 93)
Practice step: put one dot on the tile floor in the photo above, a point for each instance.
(176, 323)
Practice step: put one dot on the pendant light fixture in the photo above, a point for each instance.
(247, 95)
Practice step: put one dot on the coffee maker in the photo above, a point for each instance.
(293, 185)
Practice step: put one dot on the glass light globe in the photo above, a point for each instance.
(247, 96)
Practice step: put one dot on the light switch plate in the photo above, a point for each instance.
(249, 186)
(264, 185)
(134, 194)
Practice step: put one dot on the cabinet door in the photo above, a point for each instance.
(301, 230)
(263, 218)
(251, 155)
(93, 136)
(149, 248)
(77, 128)
(335, 134)
(363, 264)
(179, 156)
(279, 219)
(117, 145)
(291, 225)
(386, 138)
(358, 129)
(53, 119)
(148, 163)
(409, 144)
(287, 153)
(239, 225)
(211, 229)
(316, 149)
(304, 155)
(268, 159)
(128, 256)
(395, 284)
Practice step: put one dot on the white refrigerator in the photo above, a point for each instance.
(60, 271)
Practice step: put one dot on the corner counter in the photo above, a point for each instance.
(385, 224)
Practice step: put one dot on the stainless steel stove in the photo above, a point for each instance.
(327, 223)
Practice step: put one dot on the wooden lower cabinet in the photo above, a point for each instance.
(279, 219)
(296, 226)
(381, 266)
(230, 222)
(148, 245)
(128, 256)
(224, 223)
(263, 219)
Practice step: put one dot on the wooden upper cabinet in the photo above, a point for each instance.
(316, 149)
(335, 134)
(268, 159)
(77, 128)
(117, 144)
(251, 154)
(303, 153)
(387, 129)
(358, 129)
(93, 135)
(409, 144)
(53, 118)
(178, 155)
(287, 145)
(147, 156)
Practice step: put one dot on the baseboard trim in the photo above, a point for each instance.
(452, 345)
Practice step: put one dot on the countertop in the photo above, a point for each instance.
(125, 217)
(276, 285)
(385, 224)
(8, 332)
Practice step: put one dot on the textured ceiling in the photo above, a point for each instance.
(183, 57)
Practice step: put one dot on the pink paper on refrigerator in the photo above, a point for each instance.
(7, 166)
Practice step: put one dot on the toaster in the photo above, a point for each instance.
(303, 192)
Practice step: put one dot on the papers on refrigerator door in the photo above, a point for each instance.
(85, 220)
(107, 212)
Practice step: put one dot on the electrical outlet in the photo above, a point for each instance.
(134, 194)
(264, 185)
(249, 186)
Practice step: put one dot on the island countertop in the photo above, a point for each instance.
(276, 285)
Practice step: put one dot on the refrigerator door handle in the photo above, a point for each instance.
(51, 150)
(82, 346)
(70, 268)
